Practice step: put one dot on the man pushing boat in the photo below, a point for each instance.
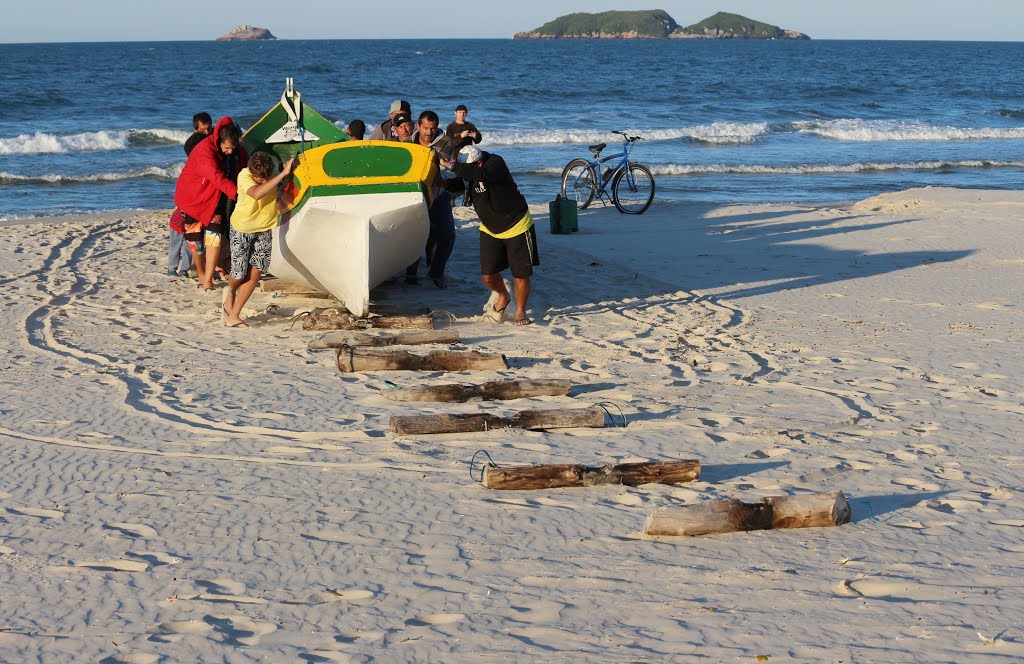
(508, 239)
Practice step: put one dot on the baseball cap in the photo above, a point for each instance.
(470, 154)
(400, 105)
(401, 118)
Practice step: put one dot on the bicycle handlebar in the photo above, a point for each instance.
(629, 139)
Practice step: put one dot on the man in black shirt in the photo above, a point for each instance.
(508, 239)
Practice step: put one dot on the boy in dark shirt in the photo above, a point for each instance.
(179, 258)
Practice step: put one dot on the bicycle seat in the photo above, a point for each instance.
(596, 149)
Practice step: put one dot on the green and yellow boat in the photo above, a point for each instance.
(357, 211)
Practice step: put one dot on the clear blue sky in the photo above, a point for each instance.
(167, 20)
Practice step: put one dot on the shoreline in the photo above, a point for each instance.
(176, 489)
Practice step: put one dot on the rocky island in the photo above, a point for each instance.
(655, 24)
(246, 33)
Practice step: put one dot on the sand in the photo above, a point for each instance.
(175, 491)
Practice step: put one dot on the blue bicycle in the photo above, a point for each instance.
(630, 185)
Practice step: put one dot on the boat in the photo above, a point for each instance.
(356, 211)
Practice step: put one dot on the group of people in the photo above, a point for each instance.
(222, 191)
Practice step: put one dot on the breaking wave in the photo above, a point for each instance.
(95, 141)
(152, 172)
(813, 169)
(900, 130)
(717, 133)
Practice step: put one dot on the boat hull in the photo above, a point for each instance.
(347, 244)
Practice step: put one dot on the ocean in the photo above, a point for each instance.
(91, 127)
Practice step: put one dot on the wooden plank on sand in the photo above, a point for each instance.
(374, 359)
(339, 319)
(491, 391)
(407, 338)
(810, 510)
(570, 475)
(290, 288)
(525, 419)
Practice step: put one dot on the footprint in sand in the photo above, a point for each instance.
(434, 619)
(627, 499)
(175, 630)
(239, 629)
(325, 656)
(114, 565)
(226, 591)
(916, 484)
(902, 455)
(768, 454)
(131, 658)
(156, 558)
(887, 587)
(538, 612)
(953, 506)
(132, 529)
(996, 493)
(948, 472)
(329, 595)
(361, 637)
(36, 512)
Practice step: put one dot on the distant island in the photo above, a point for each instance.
(246, 33)
(655, 24)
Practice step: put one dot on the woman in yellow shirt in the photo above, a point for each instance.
(255, 215)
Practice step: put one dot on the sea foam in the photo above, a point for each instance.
(900, 130)
(95, 141)
(152, 172)
(717, 132)
(812, 169)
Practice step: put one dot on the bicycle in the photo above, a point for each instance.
(629, 184)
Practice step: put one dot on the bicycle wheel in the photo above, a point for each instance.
(633, 194)
(578, 182)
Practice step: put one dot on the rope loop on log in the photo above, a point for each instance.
(302, 314)
(449, 315)
(472, 463)
(603, 405)
(351, 356)
(272, 310)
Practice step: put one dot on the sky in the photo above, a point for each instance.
(190, 20)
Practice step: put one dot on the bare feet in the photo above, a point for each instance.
(523, 321)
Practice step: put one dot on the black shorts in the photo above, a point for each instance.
(518, 253)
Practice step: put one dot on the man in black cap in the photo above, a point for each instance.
(508, 239)
(402, 128)
(384, 131)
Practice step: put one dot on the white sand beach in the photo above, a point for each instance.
(172, 490)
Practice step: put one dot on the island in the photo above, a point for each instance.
(246, 33)
(655, 24)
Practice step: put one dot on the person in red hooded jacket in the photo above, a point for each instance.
(205, 187)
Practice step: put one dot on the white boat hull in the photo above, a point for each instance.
(346, 245)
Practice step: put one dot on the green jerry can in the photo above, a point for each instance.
(563, 216)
